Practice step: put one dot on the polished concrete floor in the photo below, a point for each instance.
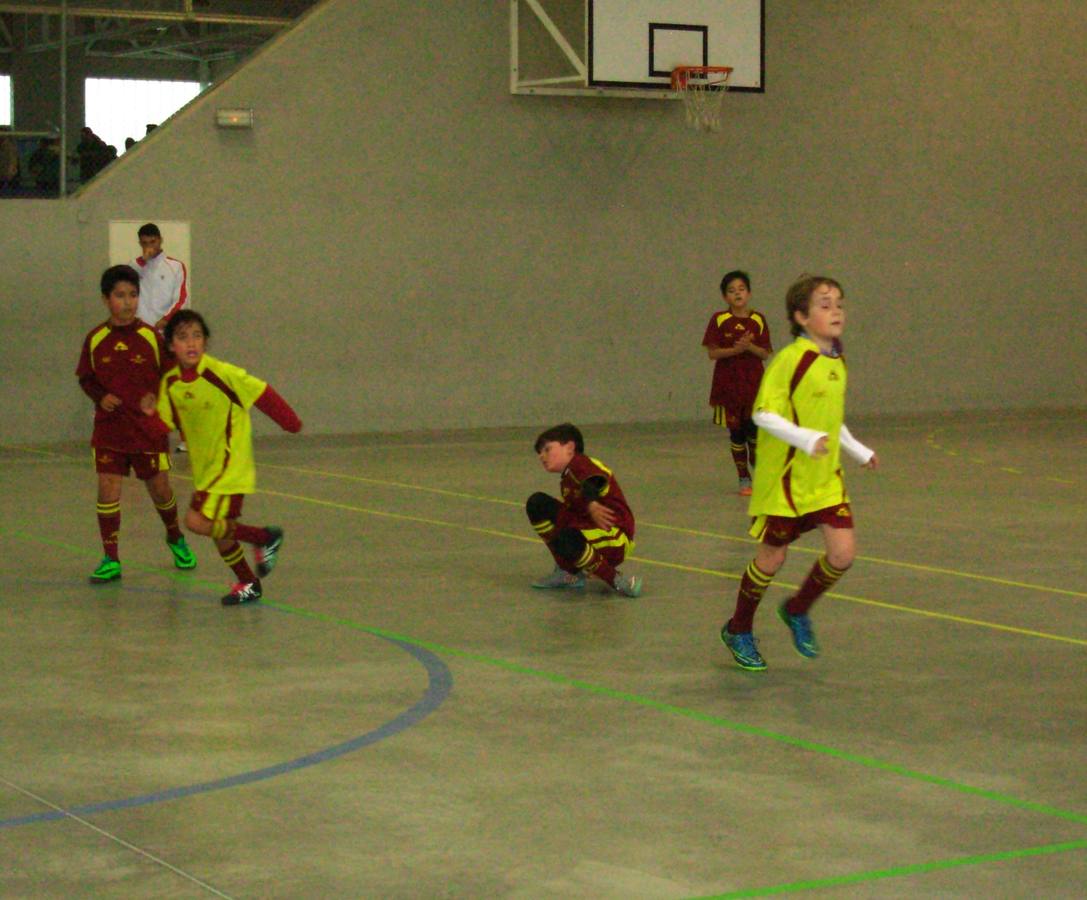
(405, 717)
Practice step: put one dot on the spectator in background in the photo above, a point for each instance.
(44, 165)
(9, 161)
(129, 143)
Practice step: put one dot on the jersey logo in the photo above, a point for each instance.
(139, 359)
(120, 345)
(833, 376)
(189, 395)
(106, 360)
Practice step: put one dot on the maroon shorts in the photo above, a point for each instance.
(733, 414)
(780, 531)
(117, 462)
(214, 506)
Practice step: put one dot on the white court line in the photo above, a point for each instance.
(207, 887)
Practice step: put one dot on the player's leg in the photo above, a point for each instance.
(840, 545)
(161, 492)
(597, 552)
(108, 509)
(751, 433)
(775, 534)
(543, 512)
(216, 516)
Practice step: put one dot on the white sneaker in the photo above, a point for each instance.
(181, 448)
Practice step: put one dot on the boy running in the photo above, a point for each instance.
(210, 400)
(799, 484)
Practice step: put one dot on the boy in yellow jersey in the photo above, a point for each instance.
(210, 400)
(799, 486)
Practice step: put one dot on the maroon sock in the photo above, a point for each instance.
(822, 577)
(752, 586)
(251, 534)
(592, 563)
(168, 513)
(739, 456)
(234, 556)
(109, 526)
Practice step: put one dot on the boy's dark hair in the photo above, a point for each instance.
(179, 319)
(149, 230)
(116, 274)
(798, 297)
(732, 276)
(563, 434)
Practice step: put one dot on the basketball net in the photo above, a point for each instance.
(702, 89)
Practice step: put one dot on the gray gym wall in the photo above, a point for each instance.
(399, 243)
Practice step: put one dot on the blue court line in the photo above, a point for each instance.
(440, 683)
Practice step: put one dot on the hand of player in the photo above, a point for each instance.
(820, 448)
(148, 404)
(160, 325)
(743, 343)
(600, 514)
(110, 402)
(873, 463)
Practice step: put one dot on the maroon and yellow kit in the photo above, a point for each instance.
(126, 361)
(575, 508)
(736, 378)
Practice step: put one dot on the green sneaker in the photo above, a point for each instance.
(108, 570)
(184, 558)
(744, 650)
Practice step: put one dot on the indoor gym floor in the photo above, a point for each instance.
(405, 717)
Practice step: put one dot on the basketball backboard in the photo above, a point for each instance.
(628, 48)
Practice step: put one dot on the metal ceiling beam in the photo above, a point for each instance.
(150, 15)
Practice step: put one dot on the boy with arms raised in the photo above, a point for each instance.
(799, 486)
(592, 527)
(210, 400)
(119, 367)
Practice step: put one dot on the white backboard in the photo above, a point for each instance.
(637, 43)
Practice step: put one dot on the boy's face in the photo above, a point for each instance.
(151, 246)
(122, 302)
(825, 320)
(555, 457)
(187, 344)
(737, 294)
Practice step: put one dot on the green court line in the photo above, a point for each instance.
(896, 872)
(625, 696)
(699, 716)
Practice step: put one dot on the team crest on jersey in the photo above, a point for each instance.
(189, 395)
(106, 360)
(139, 359)
(120, 345)
(833, 376)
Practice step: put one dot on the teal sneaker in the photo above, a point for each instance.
(267, 553)
(744, 650)
(628, 585)
(184, 558)
(108, 570)
(560, 579)
(803, 637)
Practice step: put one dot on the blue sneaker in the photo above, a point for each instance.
(803, 637)
(743, 649)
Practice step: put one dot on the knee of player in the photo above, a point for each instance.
(196, 523)
(541, 506)
(569, 543)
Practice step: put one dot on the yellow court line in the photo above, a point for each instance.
(683, 568)
(917, 567)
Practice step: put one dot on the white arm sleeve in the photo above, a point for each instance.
(856, 450)
(802, 438)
